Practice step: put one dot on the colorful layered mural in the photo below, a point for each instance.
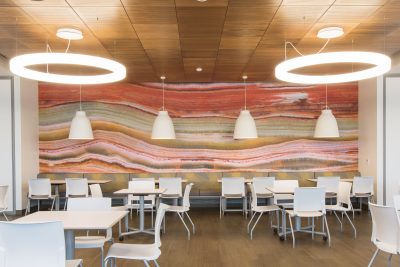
(204, 116)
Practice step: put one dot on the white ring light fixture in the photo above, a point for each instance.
(19, 64)
(382, 64)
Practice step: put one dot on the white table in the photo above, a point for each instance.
(245, 180)
(76, 220)
(141, 194)
(59, 182)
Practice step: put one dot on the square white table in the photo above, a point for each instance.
(76, 220)
(141, 194)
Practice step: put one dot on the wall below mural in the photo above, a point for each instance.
(204, 116)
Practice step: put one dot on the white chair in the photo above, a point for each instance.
(284, 190)
(261, 210)
(133, 201)
(173, 187)
(95, 190)
(260, 185)
(33, 244)
(3, 202)
(309, 202)
(75, 187)
(343, 204)
(385, 230)
(232, 188)
(363, 187)
(91, 204)
(331, 185)
(39, 189)
(183, 210)
(143, 252)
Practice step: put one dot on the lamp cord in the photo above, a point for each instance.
(292, 45)
(69, 43)
(80, 97)
(163, 95)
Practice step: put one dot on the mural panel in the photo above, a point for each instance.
(204, 117)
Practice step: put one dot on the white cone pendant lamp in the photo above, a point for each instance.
(326, 126)
(163, 127)
(245, 127)
(80, 128)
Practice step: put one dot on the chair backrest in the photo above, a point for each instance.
(157, 226)
(261, 183)
(142, 183)
(76, 187)
(32, 244)
(89, 204)
(186, 195)
(3, 196)
(385, 226)
(95, 190)
(39, 187)
(309, 199)
(253, 196)
(363, 185)
(330, 183)
(285, 185)
(344, 194)
(173, 185)
(233, 186)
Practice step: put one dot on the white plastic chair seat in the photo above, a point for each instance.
(90, 241)
(362, 195)
(170, 195)
(137, 206)
(337, 208)
(36, 197)
(146, 252)
(267, 195)
(305, 214)
(178, 209)
(330, 194)
(386, 247)
(266, 208)
(73, 263)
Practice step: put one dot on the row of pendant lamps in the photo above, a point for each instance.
(245, 126)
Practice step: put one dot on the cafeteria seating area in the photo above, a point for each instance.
(204, 133)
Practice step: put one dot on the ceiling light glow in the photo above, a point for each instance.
(69, 34)
(382, 64)
(330, 32)
(19, 64)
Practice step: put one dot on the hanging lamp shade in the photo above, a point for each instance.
(245, 127)
(80, 127)
(326, 126)
(163, 128)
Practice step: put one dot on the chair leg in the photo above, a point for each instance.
(251, 232)
(156, 263)
(38, 205)
(152, 217)
(245, 206)
(312, 227)
(102, 257)
(341, 224)
(4, 214)
(352, 225)
(52, 204)
(251, 219)
(291, 228)
(190, 219)
(183, 221)
(220, 207)
(327, 230)
(28, 207)
(390, 260)
(65, 203)
(373, 257)
(146, 263)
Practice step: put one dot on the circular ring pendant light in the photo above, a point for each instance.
(382, 64)
(284, 70)
(19, 64)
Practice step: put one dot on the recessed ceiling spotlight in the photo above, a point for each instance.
(199, 69)
(69, 34)
(330, 32)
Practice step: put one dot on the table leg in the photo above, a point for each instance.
(298, 223)
(57, 193)
(69, 244)
(141, 211)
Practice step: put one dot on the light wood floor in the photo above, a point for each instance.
(224, 242)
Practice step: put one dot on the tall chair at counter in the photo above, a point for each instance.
(75, 187)
(173, 187)
(39, 189)
(232, 188)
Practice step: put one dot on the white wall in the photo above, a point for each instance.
(367, 128)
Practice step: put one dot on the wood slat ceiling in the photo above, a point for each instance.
(227, 38)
